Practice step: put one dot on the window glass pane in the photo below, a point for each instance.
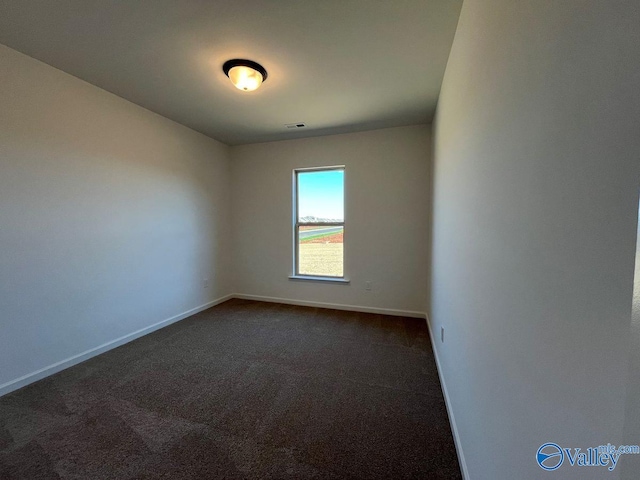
(320, 251)
(321, 196)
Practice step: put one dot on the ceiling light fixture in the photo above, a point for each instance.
(244, 74)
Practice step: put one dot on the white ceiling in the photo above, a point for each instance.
(337, 65)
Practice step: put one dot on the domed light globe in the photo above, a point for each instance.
(245, 75)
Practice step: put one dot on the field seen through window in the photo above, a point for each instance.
(321, 250)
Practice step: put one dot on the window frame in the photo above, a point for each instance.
(296, 226)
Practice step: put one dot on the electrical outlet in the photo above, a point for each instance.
(205, 283)
(367, 285)
(442, 334)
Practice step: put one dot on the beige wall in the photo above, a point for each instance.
(631, 436)
(536, 173)
(110, 218)
(386, 226)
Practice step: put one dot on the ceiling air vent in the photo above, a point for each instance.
(295, 125)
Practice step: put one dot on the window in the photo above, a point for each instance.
(319, 222)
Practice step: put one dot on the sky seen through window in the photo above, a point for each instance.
(321, 195)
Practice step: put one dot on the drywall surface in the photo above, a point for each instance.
(110, 217)
(631, 465)
(385, 224)
(536, 174)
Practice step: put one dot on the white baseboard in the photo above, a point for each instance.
(452, 419)
(81, 357)
(334, 306)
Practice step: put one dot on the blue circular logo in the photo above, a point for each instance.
(550, 456)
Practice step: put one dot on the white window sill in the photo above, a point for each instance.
(310, 278)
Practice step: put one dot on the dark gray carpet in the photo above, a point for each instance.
(242, 390)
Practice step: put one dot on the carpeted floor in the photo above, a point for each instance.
(242, 390)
